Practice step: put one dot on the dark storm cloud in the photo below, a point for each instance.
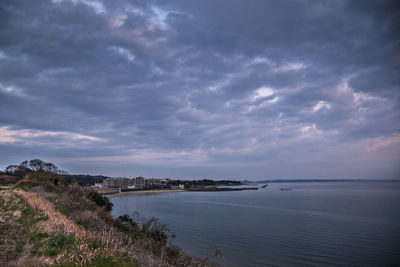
(205, 85)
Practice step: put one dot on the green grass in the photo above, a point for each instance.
(31, 217)
(37, 245)
(61, 241)
(36, 239)
(51, 252)
(53, 244)
(56, 244)
(28, 211)
(83, 223)
(37, 236)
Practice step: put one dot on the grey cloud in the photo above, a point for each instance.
(180, 77)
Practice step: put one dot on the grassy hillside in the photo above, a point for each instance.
(47, 221)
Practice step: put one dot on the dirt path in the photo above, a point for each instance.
(15, 226)
(56, 222)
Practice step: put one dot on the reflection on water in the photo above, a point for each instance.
(312, 224)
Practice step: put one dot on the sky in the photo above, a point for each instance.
(196, 89)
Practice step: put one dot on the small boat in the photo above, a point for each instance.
(286, 189)
(264, 186)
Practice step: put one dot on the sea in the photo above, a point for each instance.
(284, 224)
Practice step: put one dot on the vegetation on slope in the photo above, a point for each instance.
(16, 218)
(55, 222)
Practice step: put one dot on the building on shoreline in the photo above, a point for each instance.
(155, 183)
(140, 183)
(135, 183)
(118, 182)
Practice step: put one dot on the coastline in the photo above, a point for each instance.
(142, 192)
(115, 194)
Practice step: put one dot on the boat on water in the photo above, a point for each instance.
(286, 189)
(264, 186)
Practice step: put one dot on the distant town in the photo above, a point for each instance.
(123, 184)
(139, 183)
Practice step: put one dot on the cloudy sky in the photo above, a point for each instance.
(202, 89)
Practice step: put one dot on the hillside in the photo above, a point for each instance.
(48, 221)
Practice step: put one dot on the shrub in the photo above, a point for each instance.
(152, 228)
(173, 254)
(100, 200)
(127, 219)
(8, 179)
(157, 231)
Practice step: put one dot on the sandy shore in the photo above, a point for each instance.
(143, 192)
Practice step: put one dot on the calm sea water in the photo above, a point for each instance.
(313, 224)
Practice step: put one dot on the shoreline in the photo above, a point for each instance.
(143, 192)
(151, 191)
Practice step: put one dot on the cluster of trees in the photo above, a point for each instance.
(34, 165)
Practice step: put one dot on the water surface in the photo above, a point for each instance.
(313, 224)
